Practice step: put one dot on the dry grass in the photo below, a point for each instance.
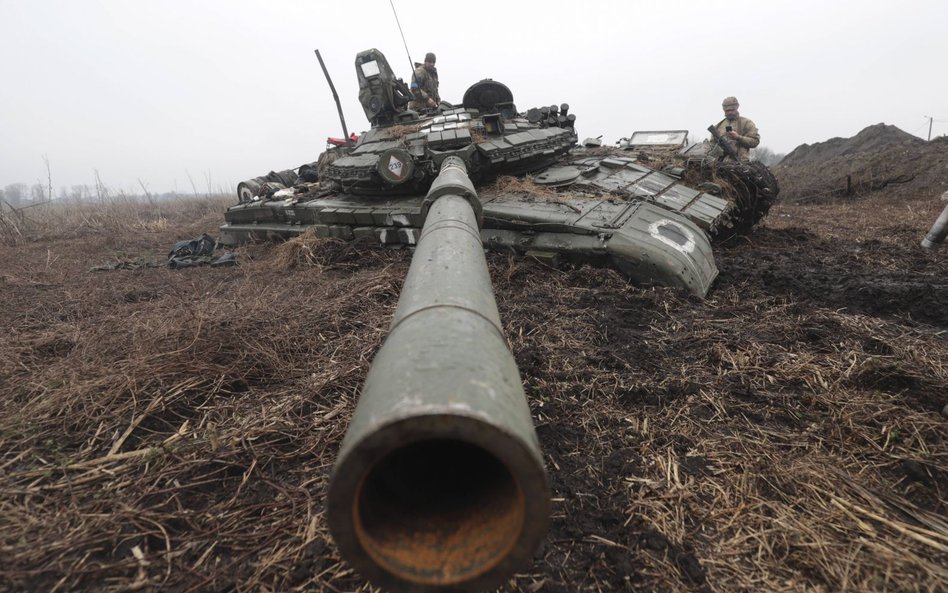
(478, 135)
(116, 216)
(749, 444)
(174, 430)
(399, 132)
(527, 187)
(520, 185)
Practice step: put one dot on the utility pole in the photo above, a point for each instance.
(930, 121)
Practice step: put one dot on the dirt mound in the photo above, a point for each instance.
(879, 136)
(880, 159)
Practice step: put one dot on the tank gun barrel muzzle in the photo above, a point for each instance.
(439, 484)
(936, 236)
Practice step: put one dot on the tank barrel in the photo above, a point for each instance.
(938, 232)
(439, 484)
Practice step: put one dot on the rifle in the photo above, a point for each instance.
(727, 148)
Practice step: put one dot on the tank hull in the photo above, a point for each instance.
(650, 244)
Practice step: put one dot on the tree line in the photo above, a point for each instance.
(17, 195)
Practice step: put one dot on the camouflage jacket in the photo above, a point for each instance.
(424, 84)
(747, 135)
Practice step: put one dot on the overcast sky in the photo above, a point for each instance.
(230, 89)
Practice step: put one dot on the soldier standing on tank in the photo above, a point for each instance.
(739, 131)
(424, 85)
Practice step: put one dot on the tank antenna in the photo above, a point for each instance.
(335, 96)
(410, 63)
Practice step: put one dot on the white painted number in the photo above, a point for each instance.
(395, 166)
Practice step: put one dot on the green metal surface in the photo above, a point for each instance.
(624, 235)
(439, 483)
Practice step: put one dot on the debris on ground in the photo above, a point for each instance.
(188, 253)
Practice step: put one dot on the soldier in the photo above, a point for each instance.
(740, 132)
(424, 85)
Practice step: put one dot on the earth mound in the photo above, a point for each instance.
(872, 138)
(880, 159)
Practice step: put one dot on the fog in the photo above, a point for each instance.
(189, 96)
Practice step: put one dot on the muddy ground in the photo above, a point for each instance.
(174, 430)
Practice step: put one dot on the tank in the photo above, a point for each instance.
(439, 484)
(650, 211)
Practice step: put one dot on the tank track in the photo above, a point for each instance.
(749, 186)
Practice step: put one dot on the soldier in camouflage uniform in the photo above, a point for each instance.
(424, 85)
(743, 135)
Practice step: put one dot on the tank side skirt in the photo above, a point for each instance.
(647, 243)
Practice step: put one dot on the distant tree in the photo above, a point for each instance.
(49, 179)
(766, 156)
(15, 193)
(79, 192)
(38, 192)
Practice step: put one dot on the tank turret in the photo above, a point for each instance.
(439, 484)
(542, 195)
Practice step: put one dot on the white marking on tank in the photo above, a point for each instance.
(655, 230)
(400, 220)
(395, 166)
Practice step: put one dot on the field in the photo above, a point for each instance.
(174, 430)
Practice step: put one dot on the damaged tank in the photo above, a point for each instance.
(439, 484)
(711, 166)
(649, 208)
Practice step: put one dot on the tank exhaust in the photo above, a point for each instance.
(439, 484)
